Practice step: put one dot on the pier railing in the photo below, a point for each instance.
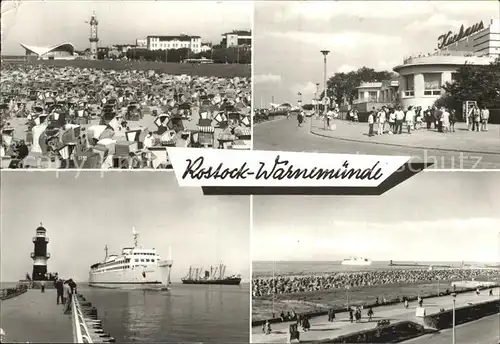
(7, 293)
(86, 327)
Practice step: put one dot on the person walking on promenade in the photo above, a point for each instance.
(485, 116)
(420, 301)
(268, 328)
(42, 286)
(410, 119)
(381, 121)
(491, 292)
(370, 314)
(428, 117)
(446, 120)
(351, 315)
(474, 118)
(406, 303)
(300, 118)
(453, 119)
(392, 121)
(306, 325)
(60, 290)
(370, 123)
(400, 116)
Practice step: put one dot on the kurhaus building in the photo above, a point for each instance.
(421, 77)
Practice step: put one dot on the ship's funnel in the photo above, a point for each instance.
(207, 274)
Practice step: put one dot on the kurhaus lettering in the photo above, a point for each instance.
(450, 38)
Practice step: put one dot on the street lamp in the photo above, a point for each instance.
(454, 295)
(316, 104)
(325, 53)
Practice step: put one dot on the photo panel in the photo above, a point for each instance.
(111, 85)
(428, 89)
(382, 269)
(158, 263)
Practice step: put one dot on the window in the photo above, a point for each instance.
(432, 92)
(136, 260)
(142, 260)
(409, 93)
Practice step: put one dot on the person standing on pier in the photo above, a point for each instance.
(67, 297)
(72, 285)
(60, 290)
(42, 286)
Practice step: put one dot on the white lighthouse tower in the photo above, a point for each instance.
(93, 36)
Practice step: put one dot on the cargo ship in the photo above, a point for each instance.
(216, 275)
(357, 261)
(136, 267)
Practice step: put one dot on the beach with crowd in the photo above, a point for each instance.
(70, 117)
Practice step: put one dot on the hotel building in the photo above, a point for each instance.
(174, 42)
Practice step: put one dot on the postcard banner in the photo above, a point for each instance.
(273, 172)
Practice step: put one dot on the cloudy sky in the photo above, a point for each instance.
(84, 214)
(288, 37)
(51, 22)
(430, 217)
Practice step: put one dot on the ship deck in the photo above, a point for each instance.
(35, 317)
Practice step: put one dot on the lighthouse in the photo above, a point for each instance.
(40, 254)
(93, 36)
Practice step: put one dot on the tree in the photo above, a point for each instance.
(342, 86)
(473, 82)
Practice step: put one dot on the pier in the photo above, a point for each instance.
(34, 316)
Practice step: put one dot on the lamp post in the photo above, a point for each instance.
(454, 295)
(325, 53)
(274, 284)
(316, 103)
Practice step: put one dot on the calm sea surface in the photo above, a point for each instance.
(265, 268)
(186, 313)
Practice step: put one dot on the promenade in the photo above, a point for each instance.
(459, 150)
(35, 317)
(322, 329)
(461, 140)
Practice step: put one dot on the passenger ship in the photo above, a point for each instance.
(357, 261)
(136, 267)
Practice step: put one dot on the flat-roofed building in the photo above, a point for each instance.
(174, 42)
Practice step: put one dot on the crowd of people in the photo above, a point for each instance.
(262, 286)
(106, 114)
(386, 120)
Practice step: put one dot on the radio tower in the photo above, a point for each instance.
(40, 254)
(93, 36)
